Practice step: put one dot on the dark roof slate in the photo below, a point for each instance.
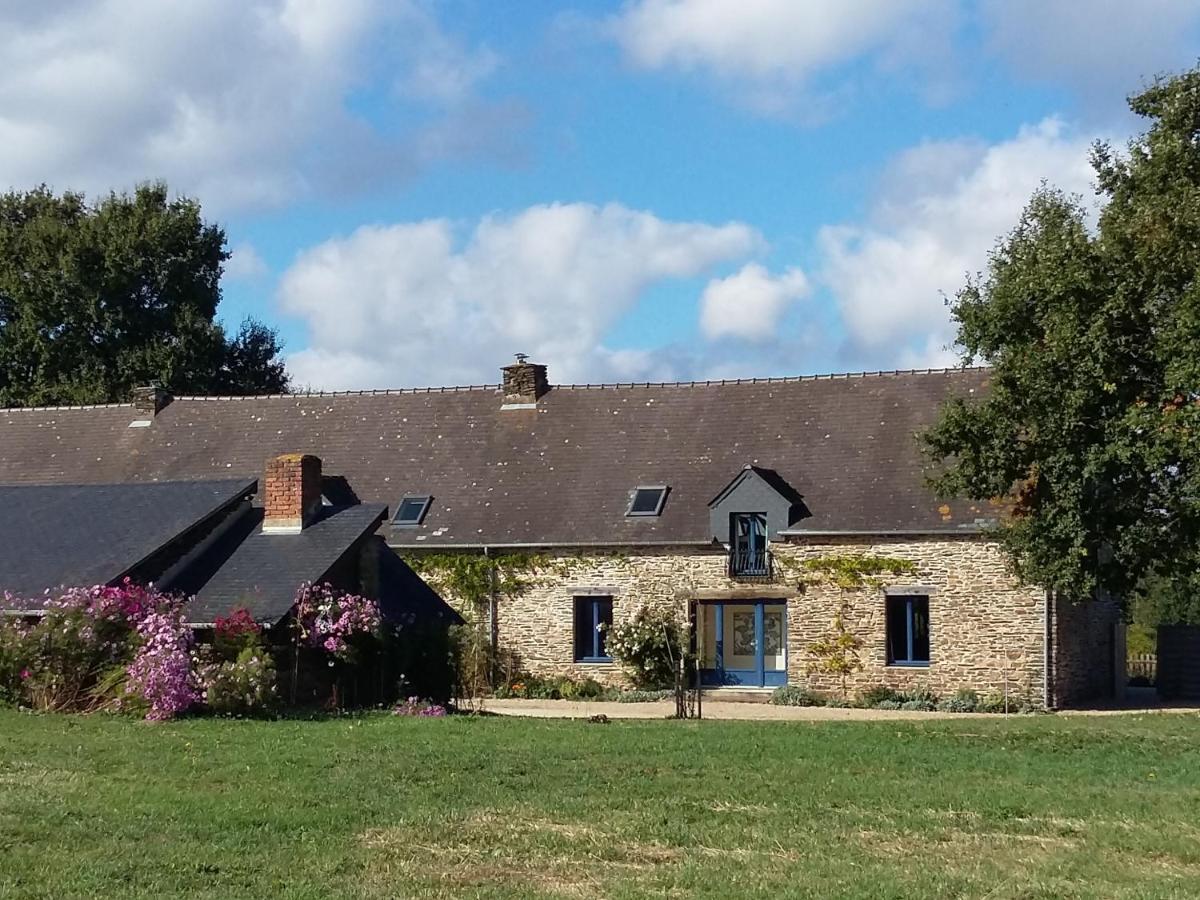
(82, 535)
(262, 572)
(557, 475)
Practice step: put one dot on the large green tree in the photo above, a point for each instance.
(1091, 424)
(97, 298)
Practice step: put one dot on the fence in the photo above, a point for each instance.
(1143, 665)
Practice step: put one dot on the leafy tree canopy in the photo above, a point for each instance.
(98, 298)
(1091, 424)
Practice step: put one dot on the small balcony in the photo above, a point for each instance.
(751, 564)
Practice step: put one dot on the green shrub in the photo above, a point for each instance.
(873, 696)
(794, 695)
(918, 705)
(13, 660)
(241, 687)
(918, 695)
(642, 696)
(887, 704)
(555, 687)
(964, 700)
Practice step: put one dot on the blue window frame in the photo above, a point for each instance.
(908, 630)
(593, 617)
(748, 544)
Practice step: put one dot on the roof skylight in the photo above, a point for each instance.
(411, 511)
(647, 500)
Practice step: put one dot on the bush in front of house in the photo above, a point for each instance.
(964, 700)
(415, 706)
(650, 646)
(554, 687)
(795, 695)
(334, 621)
(871, 697)
(123, 647)
(237, 673)
(636, 696)
(243, 686)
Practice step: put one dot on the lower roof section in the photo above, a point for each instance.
(89, 534)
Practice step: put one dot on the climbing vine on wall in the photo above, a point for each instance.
(848, 571)
(836, 653)
(474, 578)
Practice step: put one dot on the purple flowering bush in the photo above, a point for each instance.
(101, 648)
(330, 620)
(161, 673)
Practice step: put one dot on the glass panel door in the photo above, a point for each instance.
(774, 638)
(743, 643)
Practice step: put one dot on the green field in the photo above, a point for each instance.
(387, 807)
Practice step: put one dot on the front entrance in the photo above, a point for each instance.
(742, 642)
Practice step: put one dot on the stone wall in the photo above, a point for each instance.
(987, 631)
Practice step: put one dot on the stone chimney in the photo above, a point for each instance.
(292, 493)
(524, 384)
(150, 400)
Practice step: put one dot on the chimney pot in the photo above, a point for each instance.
(524, 383)
(291, 493)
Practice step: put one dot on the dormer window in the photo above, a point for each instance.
(647, 500)
(411, 511)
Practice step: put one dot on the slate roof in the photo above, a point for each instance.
(262, 571)
(560, 474)
(71, 534)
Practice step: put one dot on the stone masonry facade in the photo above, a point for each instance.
(987, 630)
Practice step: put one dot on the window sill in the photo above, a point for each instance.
(594, 661)
(901, 664)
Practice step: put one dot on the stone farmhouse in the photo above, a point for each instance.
(703, 497)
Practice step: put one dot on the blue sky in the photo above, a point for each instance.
(653, 189)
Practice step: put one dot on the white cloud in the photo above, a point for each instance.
(942, 208)
(409, 304)
(245, 264)
(240, 102)
(750, 303)
(792, 55)
(1102, 49)
(770, 51)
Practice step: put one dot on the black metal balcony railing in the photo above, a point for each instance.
(750, 563)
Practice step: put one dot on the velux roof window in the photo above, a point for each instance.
(411, 511)
(647, 500)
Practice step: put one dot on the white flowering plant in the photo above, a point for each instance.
(651, 645)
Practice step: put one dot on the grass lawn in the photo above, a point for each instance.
(386, 807)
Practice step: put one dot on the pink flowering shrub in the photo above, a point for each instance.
(330, 620)
(161, 672)
(101, 647)
(415, 706)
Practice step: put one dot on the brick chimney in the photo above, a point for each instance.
(524, 383)
(149, 400)
(292, 493)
